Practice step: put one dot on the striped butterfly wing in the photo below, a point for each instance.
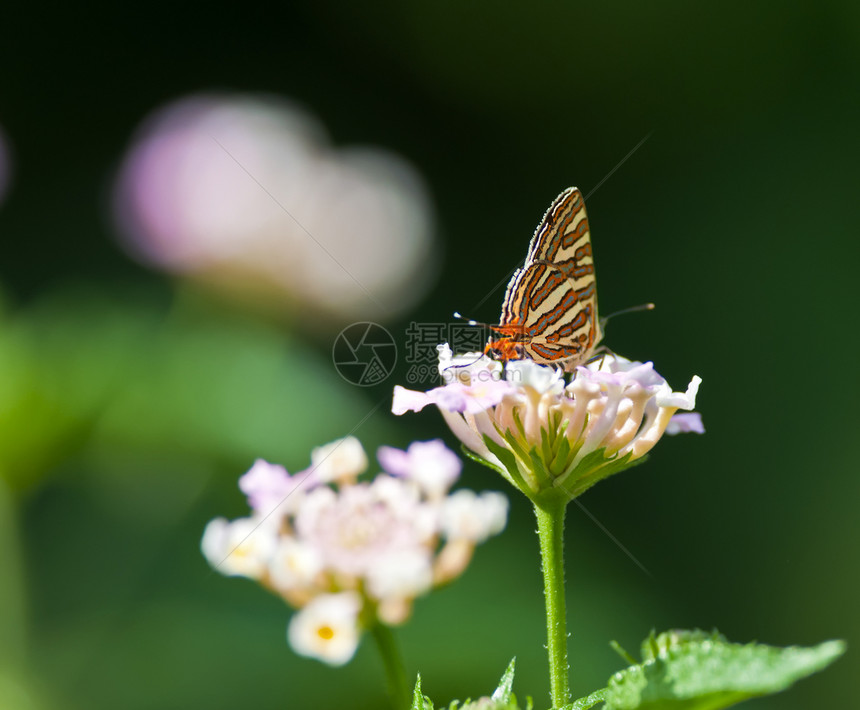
(550, 307)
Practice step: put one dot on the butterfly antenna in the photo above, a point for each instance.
(632, 309)
(465, 364)
(470, 321)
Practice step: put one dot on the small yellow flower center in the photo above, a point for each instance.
(326, 633)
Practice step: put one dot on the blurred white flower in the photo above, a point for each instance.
(401, 574)
(294, 565)
(240, 547)
(246, 193)
(472, 517)
(327, 628)
(341, 461)
(356, 530)
(384, 542)
(550, 438)
(270, 488)
(431, 464)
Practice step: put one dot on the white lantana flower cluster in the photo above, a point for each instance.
(550, 437)
(350, 554)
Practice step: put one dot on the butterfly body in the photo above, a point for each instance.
(549, 313)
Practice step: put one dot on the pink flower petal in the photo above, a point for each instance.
(431, 464)
(266, 485)
(686, 422)
(409, 400)
(455, 397)
(393, 461)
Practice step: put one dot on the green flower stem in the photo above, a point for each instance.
(398, 686)
(550, 520)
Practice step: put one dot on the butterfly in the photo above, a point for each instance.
(550, 309)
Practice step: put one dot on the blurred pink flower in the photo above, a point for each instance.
(382, 542)
(269, 486)
(431, 464)
(357, 527)
(246, 193)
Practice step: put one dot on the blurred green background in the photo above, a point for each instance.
(130, 402)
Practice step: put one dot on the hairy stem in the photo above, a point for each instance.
(550, 520)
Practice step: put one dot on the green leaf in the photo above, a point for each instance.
(510, 463)
(500, 470)
(419, 700)
(654, 645)
(487, 704)
(588, 701)
(501, 453)
(595, 467)
(563, 456)
(518, 449)
(521, 430)
(505, 690)
(503, 697)
(546, 447)
(542, 475)
(694, 670)
(623, 653)
(472, 456)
